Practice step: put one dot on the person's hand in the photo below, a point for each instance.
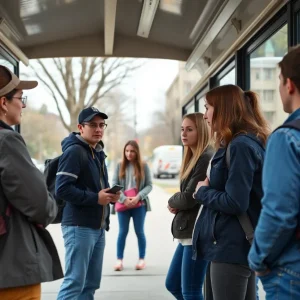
(264, 273)
(172, 210)
(105, 198)
(127, 202)
(134, 201)
(202, 183)
(116, 197)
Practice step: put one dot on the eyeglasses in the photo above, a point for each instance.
(23, 99)
(95, 125)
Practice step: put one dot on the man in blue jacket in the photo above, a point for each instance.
(275, 253)
(83, 183)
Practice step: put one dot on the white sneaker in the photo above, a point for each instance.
(140, 265)
(119, 265)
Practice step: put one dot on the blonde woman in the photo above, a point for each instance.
(185, 277)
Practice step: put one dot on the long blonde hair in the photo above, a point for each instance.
(189, 159)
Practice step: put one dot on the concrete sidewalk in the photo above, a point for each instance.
(131, 284)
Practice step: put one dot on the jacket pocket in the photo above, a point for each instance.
(181, 224)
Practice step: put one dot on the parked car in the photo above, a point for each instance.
(167, 160)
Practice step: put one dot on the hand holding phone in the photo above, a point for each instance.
(116, 188)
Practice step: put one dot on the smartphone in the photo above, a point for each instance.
(116, 188)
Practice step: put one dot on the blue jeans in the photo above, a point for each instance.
(281, 284)
(185, 276)
(84, 257)
(138, 215)
(257, 288)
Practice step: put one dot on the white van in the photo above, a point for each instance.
(167, 160)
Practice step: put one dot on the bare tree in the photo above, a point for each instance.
(76, 83)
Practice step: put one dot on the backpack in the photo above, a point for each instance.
(51, 167)
(244, 219)
(293, 124)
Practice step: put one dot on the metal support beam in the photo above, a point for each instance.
(212, 32)
(110, 11)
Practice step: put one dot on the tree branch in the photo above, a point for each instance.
(47, 85)
(52, 80)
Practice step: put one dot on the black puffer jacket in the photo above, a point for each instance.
(184, 221)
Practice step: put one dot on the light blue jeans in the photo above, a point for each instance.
(84, 257)
(281, 284)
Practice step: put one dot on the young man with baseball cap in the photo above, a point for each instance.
(27, 253)
(83, 183)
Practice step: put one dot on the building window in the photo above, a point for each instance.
(268, 96)
(268, 74)
(6, 63)
(190, 108)
(201, 103)
(269, 115)
(264, 74)
(229, 78)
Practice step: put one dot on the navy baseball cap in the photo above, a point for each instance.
(89, 113)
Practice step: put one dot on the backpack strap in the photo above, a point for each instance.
(244, 219)
(295, 124)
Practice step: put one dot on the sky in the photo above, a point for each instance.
(148, 84)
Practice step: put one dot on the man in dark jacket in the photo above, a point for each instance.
(83, 183)
(27, 253)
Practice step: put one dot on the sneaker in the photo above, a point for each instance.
(119, 265)
(140, 265)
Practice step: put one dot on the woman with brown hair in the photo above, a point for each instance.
(135, 176)
(185, 276)
(232, 189)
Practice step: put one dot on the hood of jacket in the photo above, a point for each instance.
(75, 138)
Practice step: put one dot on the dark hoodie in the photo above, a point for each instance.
(218, 235)
(81, 175)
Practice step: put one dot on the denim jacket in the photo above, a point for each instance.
(276, 243)
(218, 235)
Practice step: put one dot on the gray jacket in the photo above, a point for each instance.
(184, 221)
(27, 252)
(145, 186)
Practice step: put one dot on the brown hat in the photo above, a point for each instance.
(15, 82)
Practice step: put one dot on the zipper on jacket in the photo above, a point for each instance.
(101, 167)
(213, 228)
(103, 214)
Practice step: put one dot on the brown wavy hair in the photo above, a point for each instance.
(138, 164)
(190, 159)
(236, 111)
